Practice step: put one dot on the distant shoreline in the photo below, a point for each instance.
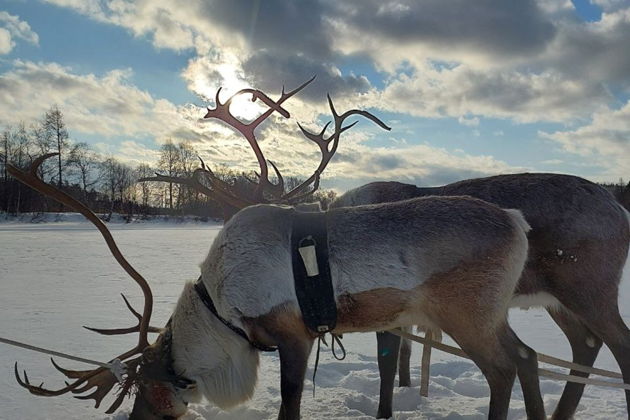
(116, 218)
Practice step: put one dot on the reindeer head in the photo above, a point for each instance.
(160, 392)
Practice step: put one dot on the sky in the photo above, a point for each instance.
(469, 88)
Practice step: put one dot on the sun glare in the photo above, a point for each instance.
(231, 82)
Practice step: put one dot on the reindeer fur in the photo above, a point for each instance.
(222, 364)
(451, 263)
(578, 246)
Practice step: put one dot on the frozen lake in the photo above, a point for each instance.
(57, 277)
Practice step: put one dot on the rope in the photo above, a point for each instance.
(321, 339)
(116, 366)
(541, 357)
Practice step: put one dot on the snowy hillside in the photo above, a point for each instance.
(56, 277)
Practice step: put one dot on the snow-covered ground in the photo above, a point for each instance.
(56, 277)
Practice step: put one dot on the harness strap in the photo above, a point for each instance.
(205, 298)
(312, 279)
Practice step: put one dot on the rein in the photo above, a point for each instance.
(205, 298)
(116, 366)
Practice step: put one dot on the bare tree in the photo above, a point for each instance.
(123, 182)
(144, 170)
(7, 146)
(169, 165)
(108, 180)
(55, 127)
(85, 161)
(21, 145)
(43, 144)
(187, 162)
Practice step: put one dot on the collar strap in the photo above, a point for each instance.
(205, 298)
(179, 381)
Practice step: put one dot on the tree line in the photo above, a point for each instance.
(106, 184)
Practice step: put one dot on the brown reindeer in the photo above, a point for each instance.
(450, 262)
(577, 249)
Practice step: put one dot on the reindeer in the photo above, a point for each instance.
(448, 262)
(577, 249)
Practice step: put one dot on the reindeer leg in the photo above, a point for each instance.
(293, 362)
(526, 363)
(585, 346)
(488, 350)
(596, 305)
(404, 376)
(388, 345)
(615, 334)
(619, 345)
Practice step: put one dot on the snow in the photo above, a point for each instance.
(56, 277)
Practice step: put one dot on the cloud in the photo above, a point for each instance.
(107, 105)
(11, 28)
(500, 94)
(356, 164)
(592, 52)
(610, 5)
(470, 122)
(409, 31)
(129, 152)
(605, 139)
(6, 43)
(527, 60)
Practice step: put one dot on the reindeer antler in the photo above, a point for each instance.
(101, 378)
(266, 191)
(221, 112)
(328, 146)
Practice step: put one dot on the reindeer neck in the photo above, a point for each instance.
(222, 363)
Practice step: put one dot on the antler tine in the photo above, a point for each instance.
(121, 396)
(120, 331)
(32, 180)
(328, 146)
(217, 193)
(222, 113)
(283, 97)
(278, 188)
(203, 164)
(41, 391)
(296, 198)
(221, 187)
(101, 378)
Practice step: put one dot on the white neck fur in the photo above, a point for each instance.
(222, 363)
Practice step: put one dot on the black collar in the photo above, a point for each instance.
(205, 298)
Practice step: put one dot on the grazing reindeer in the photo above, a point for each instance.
(448, 262)
(577, 249)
